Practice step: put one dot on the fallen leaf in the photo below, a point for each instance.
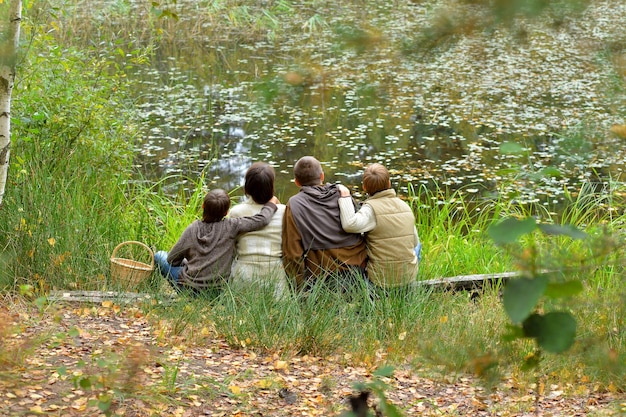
(619, 130)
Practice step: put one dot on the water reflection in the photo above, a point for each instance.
(217, 106)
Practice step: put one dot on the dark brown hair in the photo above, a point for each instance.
(308, 171)
(375, 178)
(216, 205)
(260, 182)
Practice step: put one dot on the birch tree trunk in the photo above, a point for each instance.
(9, 41)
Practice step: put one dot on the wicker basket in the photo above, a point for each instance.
(129, 273)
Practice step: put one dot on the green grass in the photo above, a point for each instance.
(67, 198)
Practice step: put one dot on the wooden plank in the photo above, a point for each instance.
(467, 282)
(101, 296)
(460, 282)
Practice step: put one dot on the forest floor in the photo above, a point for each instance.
(89, 360)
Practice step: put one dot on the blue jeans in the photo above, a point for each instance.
(418, 252)
(166, 270)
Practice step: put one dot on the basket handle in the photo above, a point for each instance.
(134, 242)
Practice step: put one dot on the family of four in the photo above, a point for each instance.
(320, 233)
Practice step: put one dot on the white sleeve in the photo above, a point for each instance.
(362, 221)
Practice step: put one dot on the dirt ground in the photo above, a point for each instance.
(88, 360)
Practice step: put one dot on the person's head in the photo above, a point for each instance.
(260, 182)
(375, 179)
(215, 206)
(308, 171)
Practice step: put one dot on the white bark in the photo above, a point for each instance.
(8, 56)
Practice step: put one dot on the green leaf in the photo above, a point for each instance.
(389, 409)
(85, 383)
(509, 230)
(505, 172)
(360, 386)
(513, 333)
(566, 230)
(521, 295)
(531, 325)
(104, 402)
(554, 332)
(385, 371)
(41, 302)
(551, 172)
(393, 411)
(511, 148)
(26, 290)
(564, 289)
(73, 332)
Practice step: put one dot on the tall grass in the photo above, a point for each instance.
(453, 232)
(67, 200)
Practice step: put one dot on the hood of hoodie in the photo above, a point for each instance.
(315, 211)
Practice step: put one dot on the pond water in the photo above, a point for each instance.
(492, 115)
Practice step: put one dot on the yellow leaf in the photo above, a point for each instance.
(402, 336)
(52, 241)
(443, 319)
(619, 130)
(542, 388)
(235, 389)
(264, 384)
(36, 409)
(280, 365)
(107, 304)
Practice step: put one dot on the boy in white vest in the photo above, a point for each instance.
(388, 222)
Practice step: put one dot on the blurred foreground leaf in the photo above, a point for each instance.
(511, 229)
(563, 230)
(521, 296)
(564, 289)
(554, 332)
